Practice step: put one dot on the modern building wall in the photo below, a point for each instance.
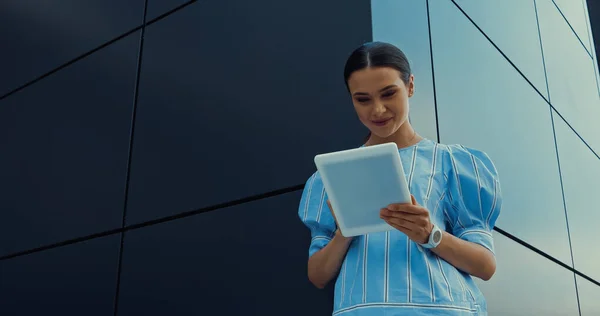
(154, 152)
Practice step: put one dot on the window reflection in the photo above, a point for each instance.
(404, 24)
(575, 14)
(588, 297)
(580, 173)
(571, 77)
(519, 39)
(483, 102)
(526, 283)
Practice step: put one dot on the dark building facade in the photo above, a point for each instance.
(153, 153)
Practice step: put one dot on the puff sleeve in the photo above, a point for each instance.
(473, 199)
(315, 214)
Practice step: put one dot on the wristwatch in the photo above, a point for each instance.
(434, 238)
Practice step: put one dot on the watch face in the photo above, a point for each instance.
(437, 236)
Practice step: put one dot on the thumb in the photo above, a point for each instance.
(414, 201)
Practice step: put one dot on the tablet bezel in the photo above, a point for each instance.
(323, 161)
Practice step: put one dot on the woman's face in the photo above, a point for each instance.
(380, 99)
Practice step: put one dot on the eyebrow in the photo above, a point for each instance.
(381, 90)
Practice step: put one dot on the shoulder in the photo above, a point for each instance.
(457, 157)
(313, 189)
(314, 181)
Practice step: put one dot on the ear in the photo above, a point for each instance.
(411, 85)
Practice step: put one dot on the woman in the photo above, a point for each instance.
(425, 265)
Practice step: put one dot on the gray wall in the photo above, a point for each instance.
(196, 141)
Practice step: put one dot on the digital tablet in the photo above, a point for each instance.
(360, 182)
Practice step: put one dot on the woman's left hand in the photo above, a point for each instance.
(411, 219)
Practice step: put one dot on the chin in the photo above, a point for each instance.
(383, 135)
(384, 131)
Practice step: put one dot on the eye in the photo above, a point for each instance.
(389, 94)
(362, 100)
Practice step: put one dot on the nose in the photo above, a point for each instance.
(378, 108)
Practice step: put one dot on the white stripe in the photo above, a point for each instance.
(320, 238)
(366, 244)
(467, 287)
(321, 203)
(386, 268)
(430, 185)
(343, 285)
(355, 274)
(405, 305)
(408, 276)
(412, 166)
(487, 220)
(475, 231)
(408, 241)
(476, 170)
(455, 210)
(429, 273)
(456, 173)
(445, 278)
(437, 205)
(308, 193)
(462, 285)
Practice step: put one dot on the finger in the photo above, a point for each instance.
(401, 229)
(407, 208)
(414, 201)
(400, 224)
(396, 214)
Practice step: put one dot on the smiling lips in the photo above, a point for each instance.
(382, 122)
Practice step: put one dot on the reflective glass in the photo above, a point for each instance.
(526, 283)
(248, 259)
(519, 39)
(593, 47)
(236, 100)
(64, 143)
(580, 173)
(571, 77)
(404, 24)
(574, 12)
(484, 103)
(588, 297)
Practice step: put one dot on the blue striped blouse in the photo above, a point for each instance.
(387, 273)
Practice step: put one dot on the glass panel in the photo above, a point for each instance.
(574, 12)
(484, 103)
(526, 283)
(64, 147)
(41, 35)
(73, 280)
(571, 78)
(519, 39)
(248, 259)
(404, 24)
(593, 46)
(588, 297)
(580, 173)
(236, 100)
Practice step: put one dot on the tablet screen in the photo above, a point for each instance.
(360, 187)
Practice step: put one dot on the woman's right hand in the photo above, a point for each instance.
(325, 264)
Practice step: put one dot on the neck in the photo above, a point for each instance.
(405, 136)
